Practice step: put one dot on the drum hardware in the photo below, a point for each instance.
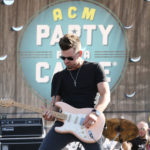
(120, 130)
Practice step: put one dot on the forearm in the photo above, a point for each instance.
(55, 99)
(103, 102)
(104, 99)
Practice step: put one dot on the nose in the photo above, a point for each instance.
(66, 61)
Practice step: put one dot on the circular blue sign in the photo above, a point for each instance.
(102, 36)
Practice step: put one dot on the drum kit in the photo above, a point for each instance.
(119, 130)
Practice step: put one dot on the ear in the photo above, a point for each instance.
(80, 53)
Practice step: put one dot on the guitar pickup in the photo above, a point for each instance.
(81, 121)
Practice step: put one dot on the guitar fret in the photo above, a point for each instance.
(30, 108)
(59, 115)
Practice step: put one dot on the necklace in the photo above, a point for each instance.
(75, 79)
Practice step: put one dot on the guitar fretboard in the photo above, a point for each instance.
(39, 110)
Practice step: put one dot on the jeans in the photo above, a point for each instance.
(57, 141)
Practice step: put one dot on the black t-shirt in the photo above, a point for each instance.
(138, 143)
(83, 95)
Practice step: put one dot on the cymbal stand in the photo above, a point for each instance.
(120, 140)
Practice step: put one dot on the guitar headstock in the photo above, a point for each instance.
(5, 102)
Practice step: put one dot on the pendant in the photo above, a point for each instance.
(75, 83)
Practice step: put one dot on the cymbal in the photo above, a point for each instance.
(120, 130)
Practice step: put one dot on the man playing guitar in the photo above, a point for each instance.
(77, 85)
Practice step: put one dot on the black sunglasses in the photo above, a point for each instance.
(69, 58)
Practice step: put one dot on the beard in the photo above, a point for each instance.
(73, 67)
(76, 65)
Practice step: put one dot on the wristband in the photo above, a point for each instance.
(97, 113)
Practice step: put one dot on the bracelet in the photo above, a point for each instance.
(97, 113)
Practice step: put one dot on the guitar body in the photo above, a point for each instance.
(73, 123)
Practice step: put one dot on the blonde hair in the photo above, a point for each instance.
(144, 124)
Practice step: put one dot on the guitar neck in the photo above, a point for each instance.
(57, 115)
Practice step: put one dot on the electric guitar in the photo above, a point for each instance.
(71, 117)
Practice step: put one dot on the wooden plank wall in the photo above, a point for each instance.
(135, 79)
